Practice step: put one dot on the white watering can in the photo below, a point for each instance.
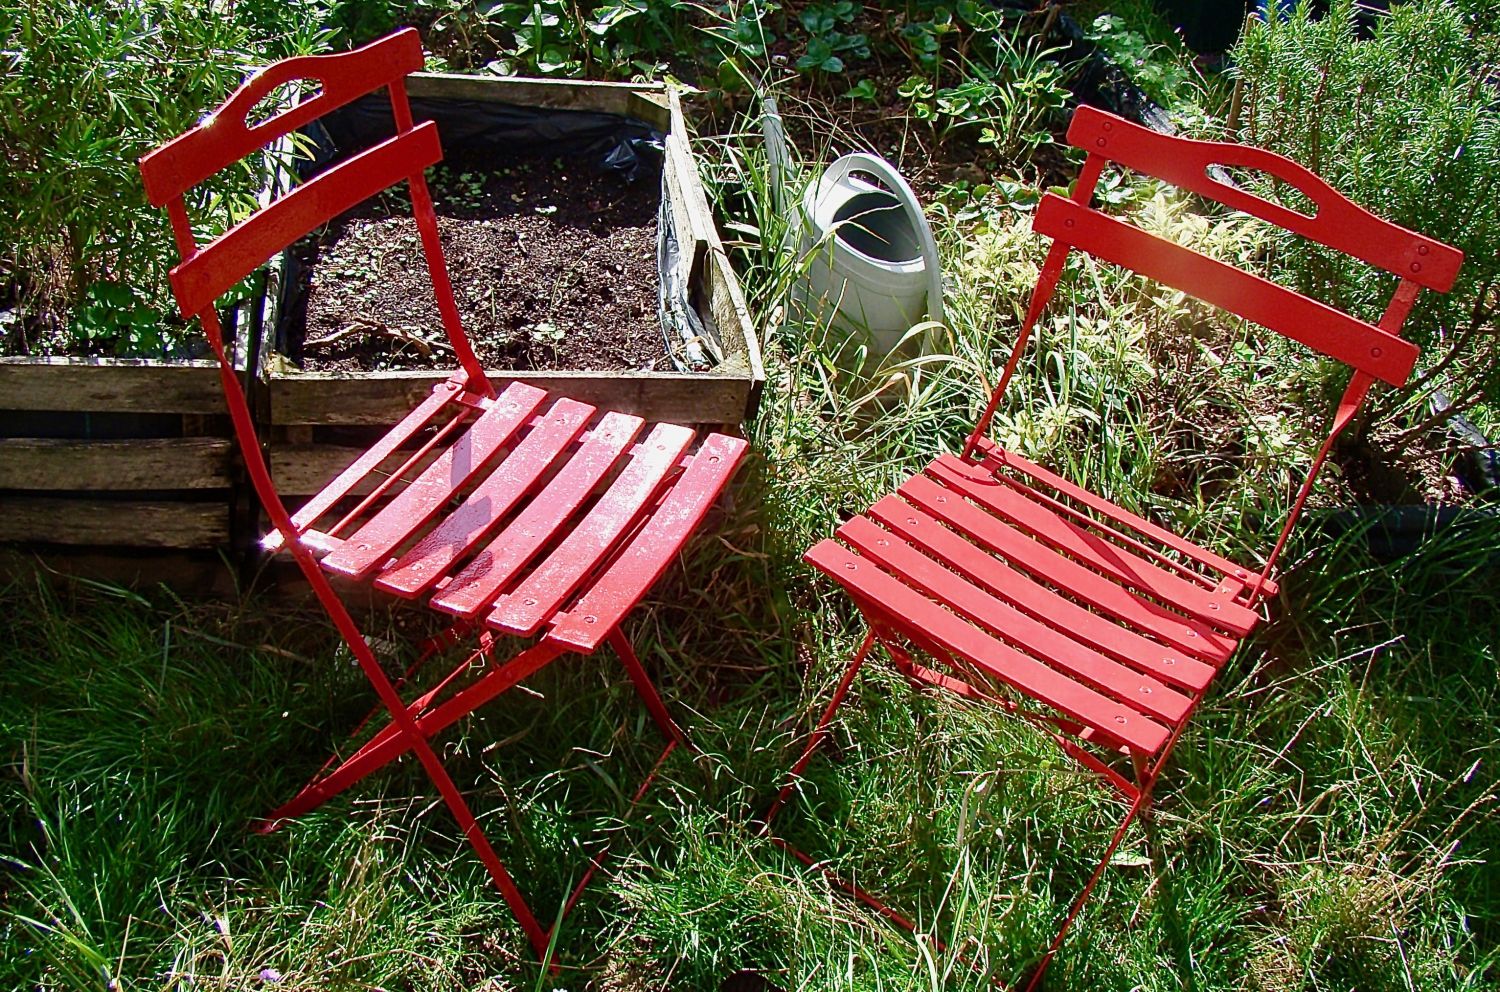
(868, 256)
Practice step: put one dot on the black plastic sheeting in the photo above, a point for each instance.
(618, 144)
(624, 145)
(1478, 463)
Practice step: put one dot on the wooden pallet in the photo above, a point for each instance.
(103, 453)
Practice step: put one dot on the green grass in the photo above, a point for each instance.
(1328, 822)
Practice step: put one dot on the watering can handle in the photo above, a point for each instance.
(886, 173)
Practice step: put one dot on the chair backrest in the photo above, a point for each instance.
(1375, 351)
(226, 136)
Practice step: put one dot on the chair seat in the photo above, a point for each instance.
(1010, 573)
(523, 510)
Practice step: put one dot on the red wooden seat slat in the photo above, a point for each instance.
(1045, 525)
(643, 560)
(479, 582)
(1008, 458)
(418, 503)
(1164, 661)
(867, 582)
(350, 477)
(1044, 564)
(524, 609)
(1059, 651)
(460, 531)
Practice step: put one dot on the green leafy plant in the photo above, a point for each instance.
(84, 92)
(612, 39)
(739, 30)
(637, 33)
(827, 43)
(113, 318)
(1163, 79)
(464, 189)
(546, 38)
(922, 40)
(355, 22)
(1008, 102)
(1403, 123)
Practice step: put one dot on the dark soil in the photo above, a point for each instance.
(553, 266)
(1377, 472)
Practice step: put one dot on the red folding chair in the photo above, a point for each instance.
(510, 511)
(994, 579)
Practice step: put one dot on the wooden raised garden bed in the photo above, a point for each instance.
(114, 453)
(320, 420)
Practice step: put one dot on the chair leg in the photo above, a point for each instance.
(670, 730)
(597, 861)
(326, 784)
(390, 742)
(1142, 799)
(409, 736)
(645, 689)
(821, 730)
(481, 844)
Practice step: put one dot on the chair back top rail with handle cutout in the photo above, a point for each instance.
(1020, 588)
(507, 511)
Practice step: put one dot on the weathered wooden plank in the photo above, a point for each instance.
(727, 306)
(334, 398)
(124, 465)
(695, 200)
(113, 523)
(107, 385)
(677, 170)
(643, 101)
(304, 469)
(715, 285)
(693, 247)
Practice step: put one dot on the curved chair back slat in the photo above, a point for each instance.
(224, 136)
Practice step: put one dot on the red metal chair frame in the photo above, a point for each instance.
(515, 517)
(1035, 595)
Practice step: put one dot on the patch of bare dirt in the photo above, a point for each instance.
(553, 266)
